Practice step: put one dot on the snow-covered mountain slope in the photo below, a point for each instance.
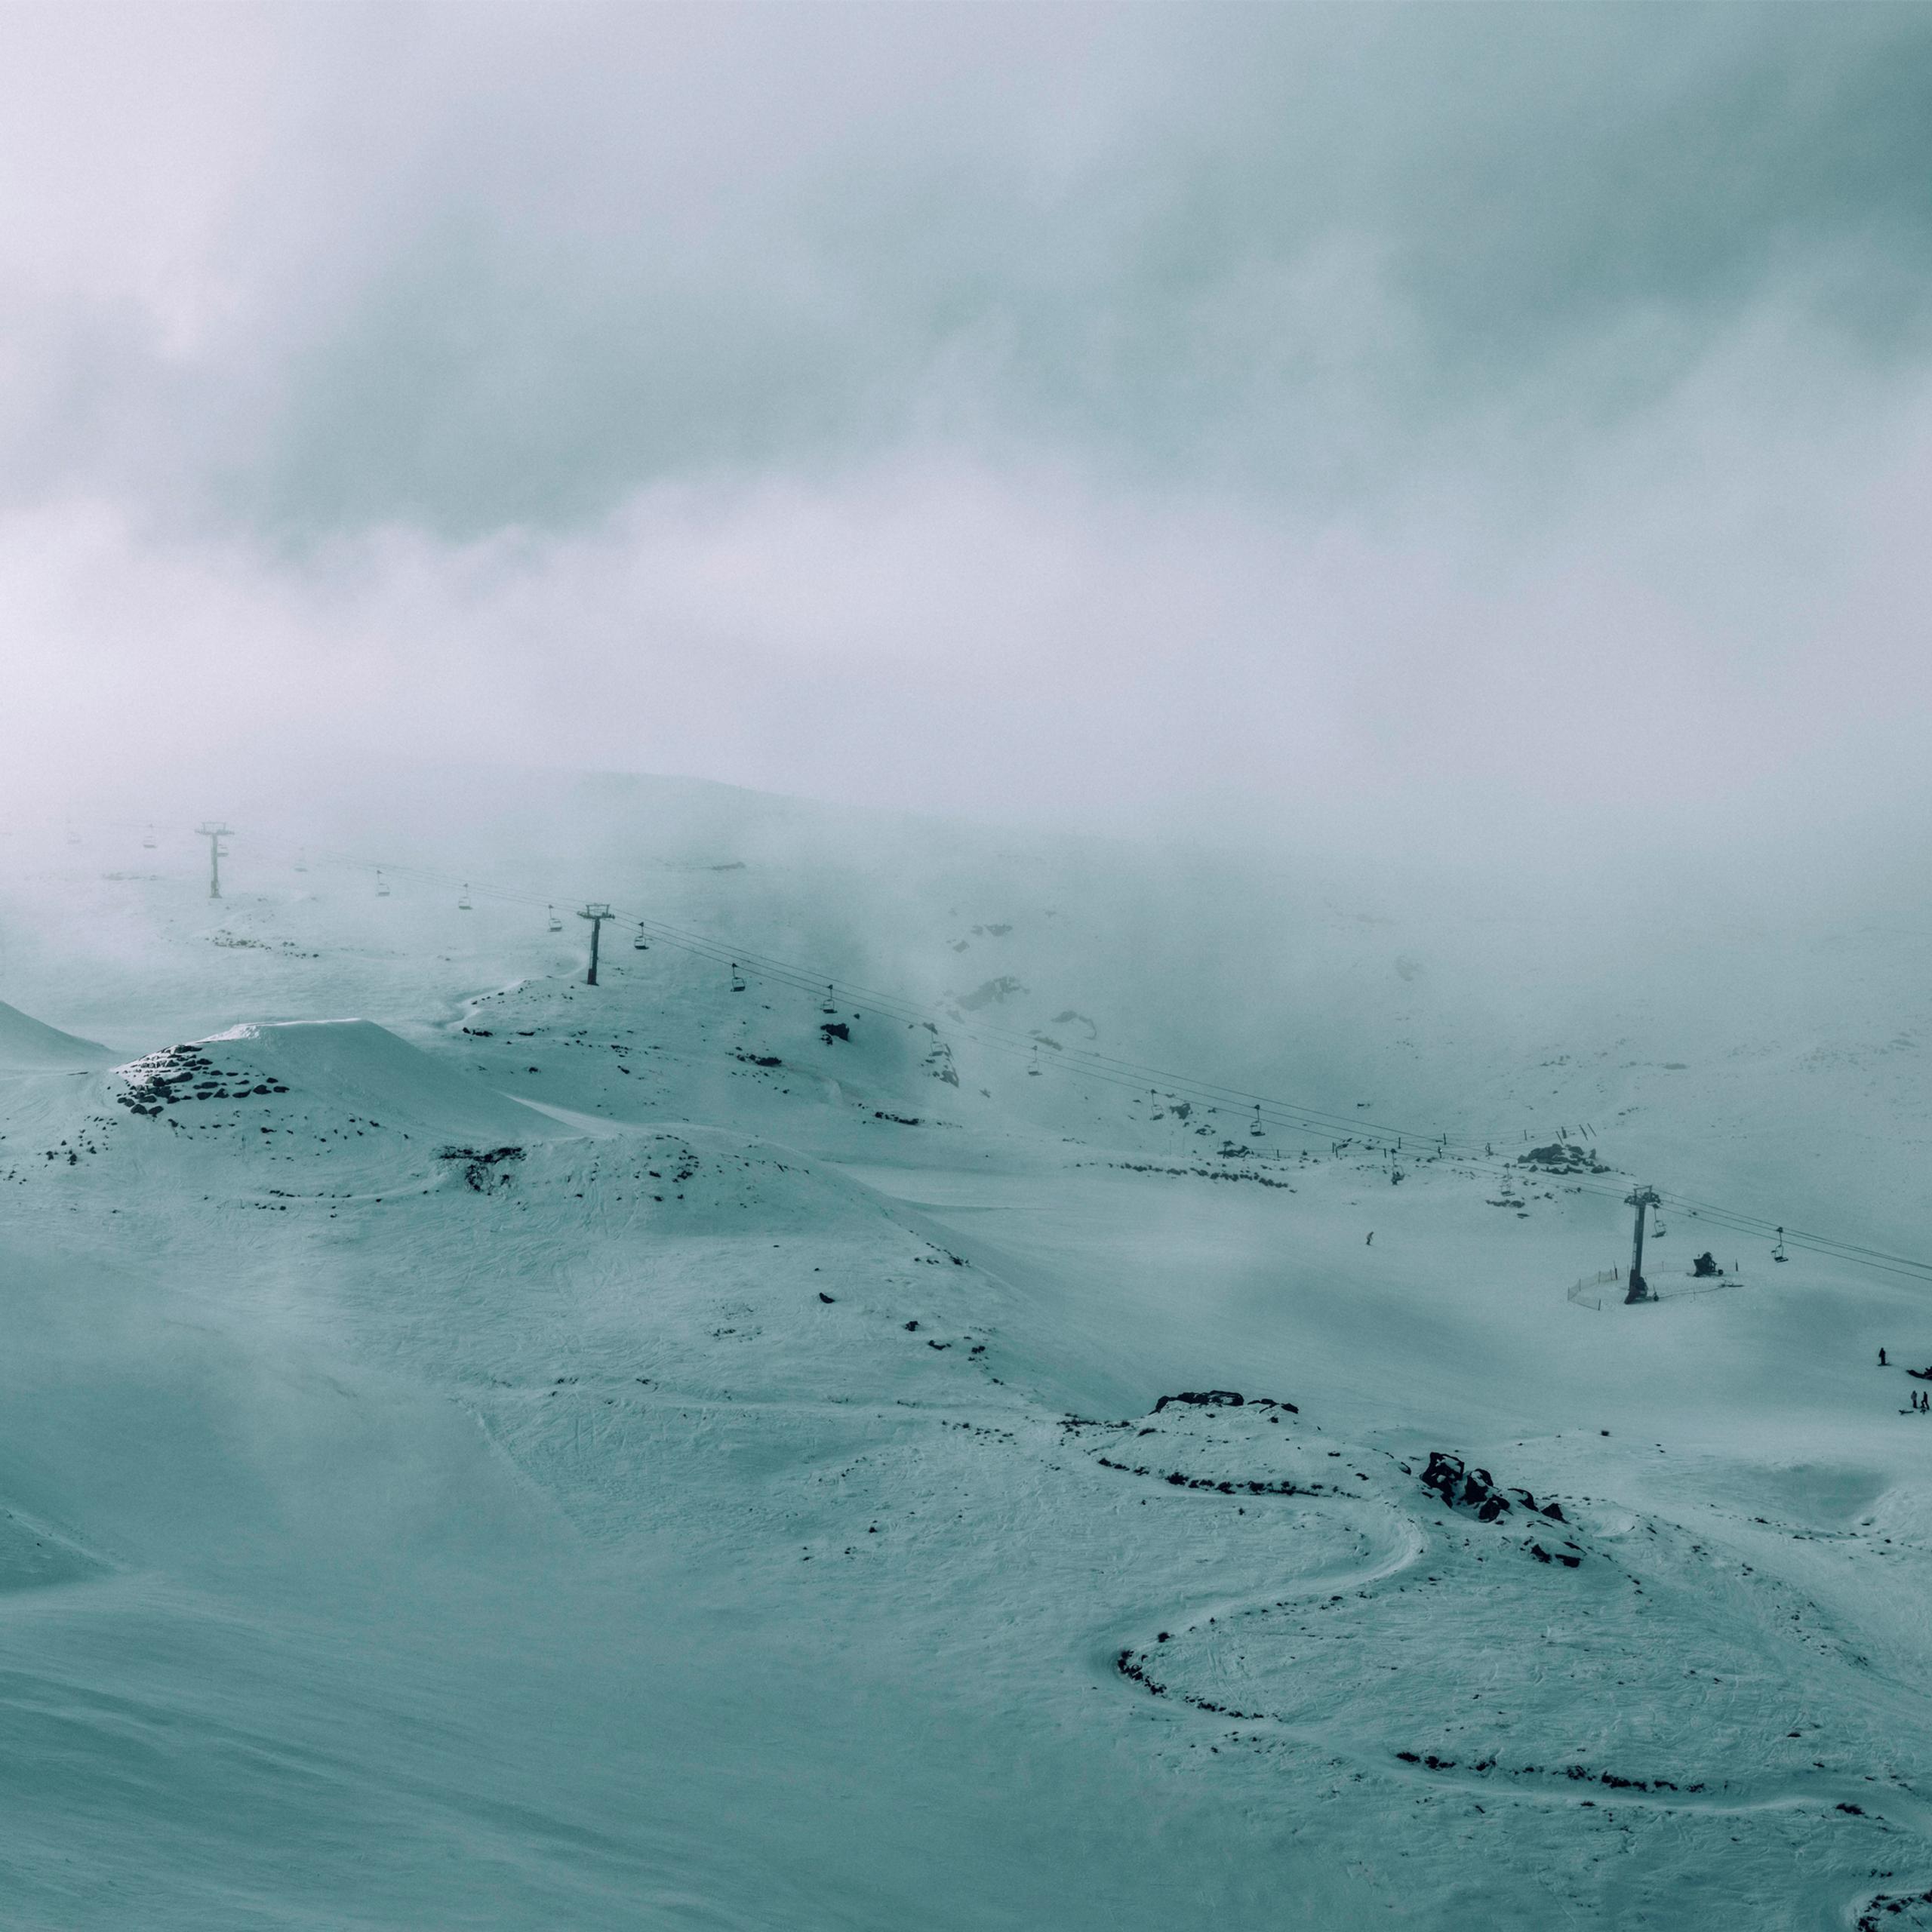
(668, 1453)
(327, 1080)
(26, 1046)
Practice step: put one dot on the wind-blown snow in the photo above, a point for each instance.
(549, 1455)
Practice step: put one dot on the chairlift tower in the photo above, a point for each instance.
(1640, 1198)
(596, 911)
(214, 831)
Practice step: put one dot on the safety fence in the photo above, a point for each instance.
(1590, 1291)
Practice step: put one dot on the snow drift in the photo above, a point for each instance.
(29, 1046)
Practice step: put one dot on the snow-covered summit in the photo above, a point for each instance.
(337, 1071)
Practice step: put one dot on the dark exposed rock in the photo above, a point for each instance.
(1461, 1488)
(485, 1169)
(991, 993)
(1443, 1475)
(1563, 1157)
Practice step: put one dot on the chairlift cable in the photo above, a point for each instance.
(1313, 1124)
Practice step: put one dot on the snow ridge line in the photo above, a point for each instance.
(1311, 1123)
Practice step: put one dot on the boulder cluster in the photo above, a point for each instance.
(1460, 1487)
(1563, 1157)
(1224, 1398)
(186, 1072)
(484, 1169)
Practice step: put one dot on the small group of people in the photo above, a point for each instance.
(1920, 1398)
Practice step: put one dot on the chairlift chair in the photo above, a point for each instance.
(462, 901)
(640, 944)
(382, 886)
(828, 1005)
(556, 925)
(302, 859)
(147, 840)
(737, 978)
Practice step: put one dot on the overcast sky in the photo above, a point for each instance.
(1446, 422)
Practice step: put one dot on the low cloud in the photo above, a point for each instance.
(1430, 427)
